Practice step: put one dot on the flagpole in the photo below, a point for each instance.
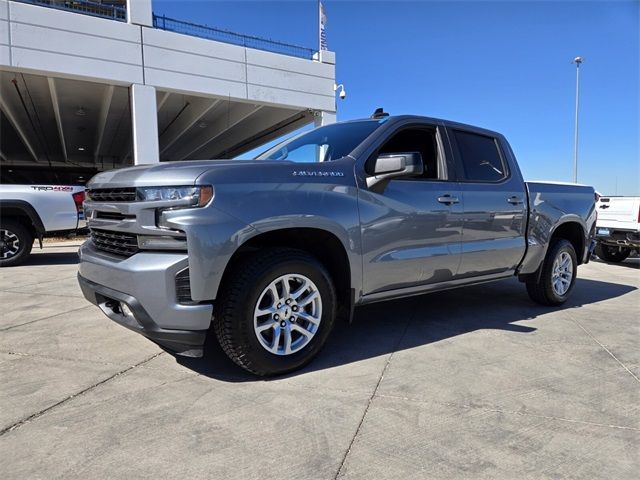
(319, 30)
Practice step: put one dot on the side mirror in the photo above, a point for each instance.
(396, 165)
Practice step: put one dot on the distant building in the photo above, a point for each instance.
(104, 84)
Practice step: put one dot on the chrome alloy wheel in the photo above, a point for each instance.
(562, 275)
(287, 314)
(9, 244)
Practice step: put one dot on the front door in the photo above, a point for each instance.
(411, 228)
(408, 236)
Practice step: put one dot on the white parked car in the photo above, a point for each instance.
(617, 228)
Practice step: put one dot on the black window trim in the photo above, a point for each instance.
(462, 173)
(444, 171)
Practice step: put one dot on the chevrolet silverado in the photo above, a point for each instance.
(266, 254)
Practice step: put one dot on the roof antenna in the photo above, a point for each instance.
(379, 113)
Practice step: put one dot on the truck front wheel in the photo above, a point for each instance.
(15, 243)
(612, 254)
(276, 311)
(554, 283)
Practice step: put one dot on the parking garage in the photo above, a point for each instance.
(84, 90)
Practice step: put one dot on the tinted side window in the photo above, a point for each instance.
(421, 140)
(480, 157)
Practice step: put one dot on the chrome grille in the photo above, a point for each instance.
(115, 242)
(112, 194)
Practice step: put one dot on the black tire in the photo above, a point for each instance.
(612, 254)
(233, 321)
(540, 287)
(13, 234)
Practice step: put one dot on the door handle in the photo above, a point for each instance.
(514, 200)
(448, 199)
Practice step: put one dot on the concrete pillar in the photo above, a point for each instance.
(140, 12)
(324, 118)
(144, 120)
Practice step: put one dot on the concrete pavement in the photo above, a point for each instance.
(472, 383)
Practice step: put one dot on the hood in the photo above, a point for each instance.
(155, 175)
(224, 171)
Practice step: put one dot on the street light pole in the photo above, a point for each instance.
(578, 61)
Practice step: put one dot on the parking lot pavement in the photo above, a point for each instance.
(472, 383)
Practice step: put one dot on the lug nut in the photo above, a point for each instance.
(292, 319)
(279, 305)
(294, 308)
(283, 324)
(276, 317)
(288, 302)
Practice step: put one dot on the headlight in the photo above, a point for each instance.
(183, 196)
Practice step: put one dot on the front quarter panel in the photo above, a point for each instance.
(212, 238)
(278, 196)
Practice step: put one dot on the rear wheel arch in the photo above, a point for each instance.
(16, 241)
(22, 212)
(574, 233)
(20, 219)
(570, 230)
(557, 269)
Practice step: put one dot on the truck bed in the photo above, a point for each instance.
(550, 205)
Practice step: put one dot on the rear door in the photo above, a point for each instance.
(493, 192)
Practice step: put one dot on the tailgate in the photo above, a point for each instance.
(618, 212)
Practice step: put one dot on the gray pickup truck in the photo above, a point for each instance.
(266, 254)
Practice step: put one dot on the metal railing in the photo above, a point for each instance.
(203, 31)
(105, 9)
(114, 11)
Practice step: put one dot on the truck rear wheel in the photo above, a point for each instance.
(15, 243)
(556, 280)
(612, 254)
(276, 311)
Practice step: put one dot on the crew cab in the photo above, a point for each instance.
(266, 254)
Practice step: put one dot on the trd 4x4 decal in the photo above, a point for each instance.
(51, 188)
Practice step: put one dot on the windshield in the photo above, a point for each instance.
(322, 144)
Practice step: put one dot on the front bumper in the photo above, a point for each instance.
(145, 285)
